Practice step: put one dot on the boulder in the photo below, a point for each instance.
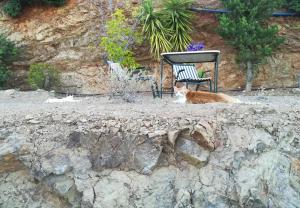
(146, 157)
(192, 152)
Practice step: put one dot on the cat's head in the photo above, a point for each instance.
(180, 91)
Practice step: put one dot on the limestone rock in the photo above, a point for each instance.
(146, 157)
(203, 134)
(57, 163)
(64, 187)
(172, 136)
(11, 144)
(88, 198)
(192, 152)
(183, 199)
(18, 190)
(262, 182)
(116, 192)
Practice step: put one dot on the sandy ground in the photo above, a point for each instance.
(16, 103)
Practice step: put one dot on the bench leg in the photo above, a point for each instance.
(210, 86)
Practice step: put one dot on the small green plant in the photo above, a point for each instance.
(43, 76)
(119, 37)
(167, 29)
(201, 73)
(8, 53)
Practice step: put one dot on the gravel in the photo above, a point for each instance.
(20, 104)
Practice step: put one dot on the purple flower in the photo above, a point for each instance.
(196, 46)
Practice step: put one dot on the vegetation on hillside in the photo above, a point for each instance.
(119, 39)
(246, 29)
(14, 8)
(43, 76)
(293, 5)
(169, 28)
(8, 53)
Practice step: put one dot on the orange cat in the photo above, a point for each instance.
(184, 95)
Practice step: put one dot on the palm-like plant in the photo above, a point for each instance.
(179, 21)
(154, 30)
(168, 29)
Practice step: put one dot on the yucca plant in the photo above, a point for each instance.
(154, 29)
(178, 19)
(168, 29)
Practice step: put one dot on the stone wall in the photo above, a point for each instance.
(66, 37)
(241, 155)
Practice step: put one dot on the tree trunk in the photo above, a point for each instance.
(249, 76)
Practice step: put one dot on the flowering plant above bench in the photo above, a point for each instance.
(196, 46)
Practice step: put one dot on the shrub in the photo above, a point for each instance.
(119, 37)
(4, 75)
(167, 29)
(43, 76)
(13, 8)
(293, 5)
(246, 29)
(8, 53)
(55, 2)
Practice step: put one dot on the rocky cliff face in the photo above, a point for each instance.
(66, 36)
(240, 155)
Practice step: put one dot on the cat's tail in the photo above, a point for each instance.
(229, 99)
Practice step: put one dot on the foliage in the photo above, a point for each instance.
(293, 5)
(195, 46)
(246, 29)
(14, 8)
(154, 29)
(178, 18)
(167, 29)
(55, 2)
(4, 75)
(201, 73)
(118, 40)
(43, 76)
(8, 53)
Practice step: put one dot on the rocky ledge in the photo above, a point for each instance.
(99, 153)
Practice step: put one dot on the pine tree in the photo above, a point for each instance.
(246, 28)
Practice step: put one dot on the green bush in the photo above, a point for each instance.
(43, 76)
(55, 2)
(119, 37)
(13, 8)
(293, 5)
(8, 53)
(4, 75)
